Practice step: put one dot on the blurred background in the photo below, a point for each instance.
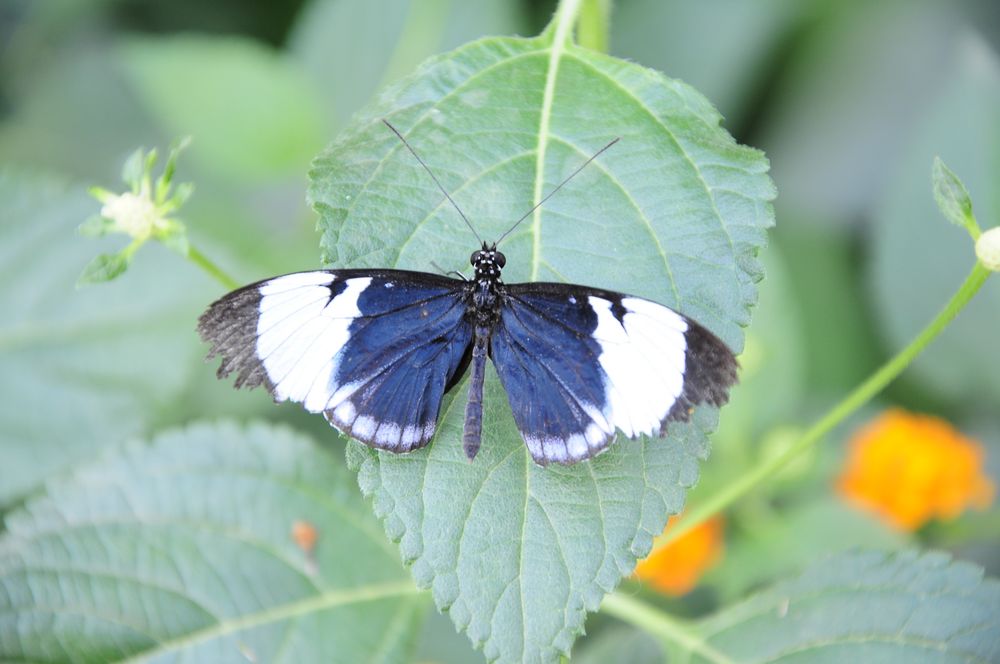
(850, 99)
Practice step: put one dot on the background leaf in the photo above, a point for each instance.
(250, 109)
(85, 112)
(773, 548)
(352, 48)
(81, 368)
(867, 607)
(826, 129)
(919, 258)
(620, 644)
(746, 38)
(182, 550)
(676, 212)
(76, 115)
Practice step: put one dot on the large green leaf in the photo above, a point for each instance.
(182, 550)
(676, 212)
(81, 368)
(867, 607)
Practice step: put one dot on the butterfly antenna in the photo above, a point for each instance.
(553, 192)
(434, 177)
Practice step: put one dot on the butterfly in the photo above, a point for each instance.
(375, 350)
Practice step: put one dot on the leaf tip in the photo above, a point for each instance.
(104, 267)
(952, 197)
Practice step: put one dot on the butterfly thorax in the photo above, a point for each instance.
(487, 285)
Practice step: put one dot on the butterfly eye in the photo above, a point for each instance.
(500, 259)
(474, 257)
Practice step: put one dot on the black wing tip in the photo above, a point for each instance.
(229, 325)
(710, 371)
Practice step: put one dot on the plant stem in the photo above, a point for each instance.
(560, 28)
(132, 247)
(857, 398)
(594, 25)
(202, 261)
(657, 622)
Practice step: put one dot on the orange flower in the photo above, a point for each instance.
(676, 568)
(912, 468)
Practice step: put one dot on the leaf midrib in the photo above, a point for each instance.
(564, 21)
(861, 639)
(281, 612)
(772, 604)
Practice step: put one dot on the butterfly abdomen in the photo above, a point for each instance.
(472, 433)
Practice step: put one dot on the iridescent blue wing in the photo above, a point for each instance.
(580, 363)
(373, 350)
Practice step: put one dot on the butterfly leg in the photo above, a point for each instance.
(473, 433)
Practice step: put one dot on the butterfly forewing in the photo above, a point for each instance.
(373, 350)
(578, 363)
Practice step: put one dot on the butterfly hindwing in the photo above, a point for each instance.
(578, 363)
(373, 350)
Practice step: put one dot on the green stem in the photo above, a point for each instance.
(857, 398)
(202, 261)
(560, 28)
(651, 619)
(132, 247)
(594, 25)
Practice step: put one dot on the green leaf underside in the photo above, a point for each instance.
(181, 550)
(675, 212)
(867, 607)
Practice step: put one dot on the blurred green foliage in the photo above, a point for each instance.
(851, 100)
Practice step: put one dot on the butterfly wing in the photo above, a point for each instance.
(578, 363)
(373, 350)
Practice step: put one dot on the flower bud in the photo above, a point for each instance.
(133, 214)
(988, 249)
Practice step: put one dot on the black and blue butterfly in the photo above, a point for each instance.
(375, 351)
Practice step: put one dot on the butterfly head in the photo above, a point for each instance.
(488, 262)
